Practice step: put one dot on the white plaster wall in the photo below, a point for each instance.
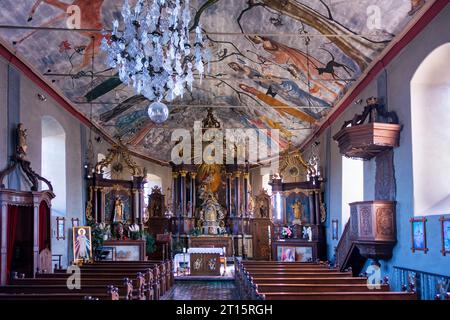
(31, 113)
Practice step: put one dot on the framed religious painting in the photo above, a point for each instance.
(419, 234)
(82, 244)
(75, 222)
(335, 229)
(60, 228)
(445, 228)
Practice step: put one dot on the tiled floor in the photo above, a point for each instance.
(202, 290)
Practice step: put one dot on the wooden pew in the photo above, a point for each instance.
(142, 283)
(337, 296)
(298, 288)
(304, 280)
(110, 294)
(293, 281)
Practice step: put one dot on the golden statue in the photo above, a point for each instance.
(118, 210)
(297, 207)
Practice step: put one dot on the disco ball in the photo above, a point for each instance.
(158, 112)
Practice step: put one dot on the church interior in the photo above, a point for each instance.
(224, 150)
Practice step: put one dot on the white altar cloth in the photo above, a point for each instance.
(206, 250)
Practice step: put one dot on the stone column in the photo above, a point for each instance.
(4, 243)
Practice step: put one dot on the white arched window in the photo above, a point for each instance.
(53, 164)
(352, 185)
(430, 122)
(152, 181)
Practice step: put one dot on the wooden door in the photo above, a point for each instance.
(262, 232)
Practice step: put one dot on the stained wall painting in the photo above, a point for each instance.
(281, 64)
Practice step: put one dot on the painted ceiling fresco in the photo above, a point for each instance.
(280, 64)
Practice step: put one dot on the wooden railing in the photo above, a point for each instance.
(344, 248)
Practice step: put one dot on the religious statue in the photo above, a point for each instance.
(263, 208)
(211, 212)
(251, 205)
(297, 209)
(22, 146)
(118, 210)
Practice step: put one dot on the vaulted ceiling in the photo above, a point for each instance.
(280, 64)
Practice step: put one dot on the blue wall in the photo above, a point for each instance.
(393, 84)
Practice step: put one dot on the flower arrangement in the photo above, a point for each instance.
(286, 232)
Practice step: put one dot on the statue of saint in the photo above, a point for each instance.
(297, 208)
(118, 210)
(22, 146)
(263, 212)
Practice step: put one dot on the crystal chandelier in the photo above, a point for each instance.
(153, 52)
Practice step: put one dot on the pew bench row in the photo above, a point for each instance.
(140, 280)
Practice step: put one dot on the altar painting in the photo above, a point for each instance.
(294, 254)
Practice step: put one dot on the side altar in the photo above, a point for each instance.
(299, 228)
(115, 207)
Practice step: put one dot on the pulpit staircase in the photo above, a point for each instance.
(347, 253)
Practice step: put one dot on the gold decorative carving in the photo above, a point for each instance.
(89, 204)
(117, 155)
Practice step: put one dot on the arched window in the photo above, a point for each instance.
(352, 185)
(53, 164)
(107, 170)
(265, 184)
(430, 122)
(152, 181)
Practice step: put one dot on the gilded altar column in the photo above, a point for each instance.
(174, 193)
(312, 207)
(317, 204)
(3, 243)
(141, 209)
(237, 193)
(193, 194)
(183, 175)
(246, 181)
(228, 193)
(136, 205)
(102, 204)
